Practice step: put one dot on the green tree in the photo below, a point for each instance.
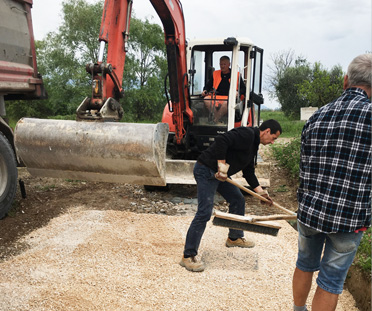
(80, 29)
(323, 86)
(65, 53)
(286, 89)
(146, 68)
(296, 83)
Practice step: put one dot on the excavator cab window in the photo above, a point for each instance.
(209, 110)
(212, 110)
(197, 74)
(256, 98)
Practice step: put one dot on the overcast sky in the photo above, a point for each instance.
(331, 32)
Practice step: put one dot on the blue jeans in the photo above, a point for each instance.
(207, 185)
(339, 252)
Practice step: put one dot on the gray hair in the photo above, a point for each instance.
(359, 71)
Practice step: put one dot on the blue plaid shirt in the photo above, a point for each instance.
(335, 167)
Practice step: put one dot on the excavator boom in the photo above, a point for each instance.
(171, 15)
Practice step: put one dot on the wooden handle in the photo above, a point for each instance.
(256, 195)
(274, 217)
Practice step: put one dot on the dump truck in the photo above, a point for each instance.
(96, 146)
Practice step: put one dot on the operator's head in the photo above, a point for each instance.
(359, 73)
(225, 64)
(269, 131)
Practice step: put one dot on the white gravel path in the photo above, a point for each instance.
(114, 260)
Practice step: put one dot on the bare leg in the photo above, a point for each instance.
(324, 301)
(220, 112)
(301, 286)
(217, 107)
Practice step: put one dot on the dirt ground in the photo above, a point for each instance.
(74, 245)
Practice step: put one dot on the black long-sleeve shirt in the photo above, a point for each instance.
(238, 147)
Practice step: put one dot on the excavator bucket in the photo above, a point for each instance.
(95, 151)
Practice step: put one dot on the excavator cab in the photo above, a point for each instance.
(246, 69)
(215, 114)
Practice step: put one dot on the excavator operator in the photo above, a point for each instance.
(219, 86)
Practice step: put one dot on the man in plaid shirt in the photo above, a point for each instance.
(335, 189)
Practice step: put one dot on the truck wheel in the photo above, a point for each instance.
(8, 176)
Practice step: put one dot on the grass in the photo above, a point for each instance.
(363, 255)
(287, 154)
(291, 128)
(12, 124)
(282, 188)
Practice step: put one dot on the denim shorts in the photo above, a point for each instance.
(339, 253)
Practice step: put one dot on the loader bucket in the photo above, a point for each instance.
(95, 151)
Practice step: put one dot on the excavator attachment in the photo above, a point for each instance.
(95, 151)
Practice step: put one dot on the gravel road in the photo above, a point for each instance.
(118, 260)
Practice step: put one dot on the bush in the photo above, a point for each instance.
(363, 256)
(288, 156)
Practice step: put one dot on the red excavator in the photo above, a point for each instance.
(96, 146)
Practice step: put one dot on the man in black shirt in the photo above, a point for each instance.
(231, 152)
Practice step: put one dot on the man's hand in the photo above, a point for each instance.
(265, 194)
(221, 175)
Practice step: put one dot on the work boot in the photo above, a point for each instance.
(192, 264)
(240, 242)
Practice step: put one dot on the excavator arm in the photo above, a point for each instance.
(171, 15)
(114, 33)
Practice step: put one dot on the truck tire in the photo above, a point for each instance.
(8, 176)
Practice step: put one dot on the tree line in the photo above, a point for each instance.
(296, 83)
(63, 54)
